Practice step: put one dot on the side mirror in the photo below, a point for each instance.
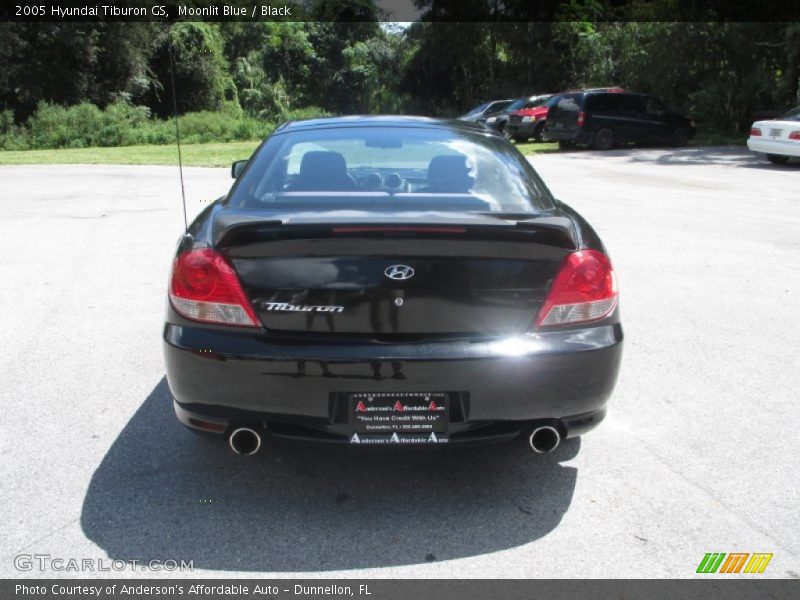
(237, 167)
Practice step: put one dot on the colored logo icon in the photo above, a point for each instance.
(734, 562)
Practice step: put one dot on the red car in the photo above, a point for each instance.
(528, 122)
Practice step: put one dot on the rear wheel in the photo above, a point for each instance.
(679, 137)
(777, 159)
(604, 139)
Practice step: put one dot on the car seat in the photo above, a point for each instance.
(321, 170)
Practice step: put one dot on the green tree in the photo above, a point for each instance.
(722, 72)
(202, 77)
(46, 61)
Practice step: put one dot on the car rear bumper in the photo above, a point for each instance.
(296, 388)
(769, 146)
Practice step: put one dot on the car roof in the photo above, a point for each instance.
(381, 121)
(609, 90)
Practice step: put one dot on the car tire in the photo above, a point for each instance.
(538, 131)
(679, 137)
(604, 139)
(777, 159)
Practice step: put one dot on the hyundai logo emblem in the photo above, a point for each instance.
(399, 272)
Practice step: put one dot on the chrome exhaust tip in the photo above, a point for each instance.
(544, 439)
(245, 441)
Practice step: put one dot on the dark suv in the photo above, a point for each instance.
(604, 119)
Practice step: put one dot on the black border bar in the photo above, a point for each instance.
(399, 589)
(397, 10)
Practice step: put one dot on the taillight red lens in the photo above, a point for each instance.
(755, 131)
(581, 118)
(795, 135)
(205, 287)
(584, 290)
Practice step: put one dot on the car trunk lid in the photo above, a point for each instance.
(475, 276)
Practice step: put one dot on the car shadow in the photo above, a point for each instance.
(162, 492)
(732, 156)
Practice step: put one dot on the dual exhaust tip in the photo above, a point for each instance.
(544, 439)
(247, 441)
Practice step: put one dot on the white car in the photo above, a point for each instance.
(778, 139)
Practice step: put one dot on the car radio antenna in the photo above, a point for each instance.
(178, 136)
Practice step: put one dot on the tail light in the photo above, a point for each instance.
(795, 135)
(205, 287)
(754, 131)
(584, 290)
(581, 118)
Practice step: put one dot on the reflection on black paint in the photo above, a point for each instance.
(393, 371)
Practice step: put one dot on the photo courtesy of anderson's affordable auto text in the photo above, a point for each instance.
(399, 299)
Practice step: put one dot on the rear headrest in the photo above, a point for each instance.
(322, 165)
(450, 170)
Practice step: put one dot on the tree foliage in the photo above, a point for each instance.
(345, 60)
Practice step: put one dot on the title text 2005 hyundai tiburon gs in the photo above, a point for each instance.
(390, 281)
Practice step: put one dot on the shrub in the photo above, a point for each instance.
(12, 136)
(210, 126)
(54, 126)
(123, 124)
(309, 112)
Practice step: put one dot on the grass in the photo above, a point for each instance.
(195, 155)
(220, 154)
(540, 148)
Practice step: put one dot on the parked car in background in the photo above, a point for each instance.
(778, 138)
(484, 109)
(528, 121)
(603, 119)
(498, 120)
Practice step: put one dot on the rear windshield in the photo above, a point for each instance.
(390, 168)
(552, 101)
(568, 103)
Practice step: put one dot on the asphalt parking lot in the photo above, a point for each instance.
(699, 452)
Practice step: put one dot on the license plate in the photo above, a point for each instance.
(402, 418)
(775, 132)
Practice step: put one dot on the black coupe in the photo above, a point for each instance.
(393, 281)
